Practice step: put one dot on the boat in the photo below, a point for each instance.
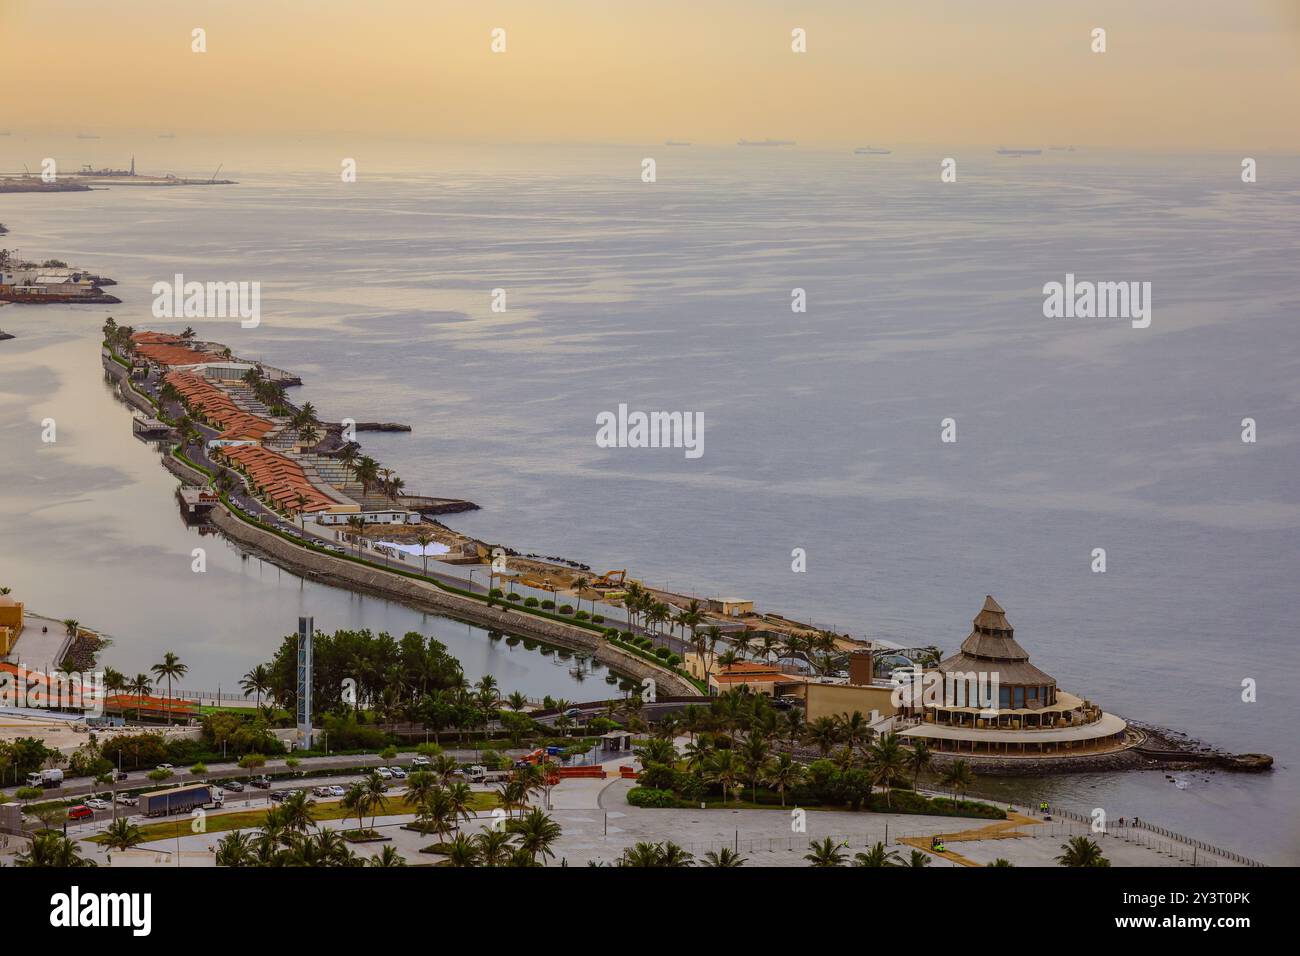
(871, 151)
(1003, 151)
(765, 142)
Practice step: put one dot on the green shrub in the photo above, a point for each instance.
(531, 602)
(598, 619)
(649, 797)
(581, 616)
(512, 596)
(627, 637)
(662, 653)
(673, 660)
(566, 608)
(548, 605)
(496, 593)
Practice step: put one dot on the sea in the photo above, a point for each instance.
(832, 317)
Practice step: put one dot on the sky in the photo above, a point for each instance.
(1176, 74)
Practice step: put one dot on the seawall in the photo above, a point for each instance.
(340, 572)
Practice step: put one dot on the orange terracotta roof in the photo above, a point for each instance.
(281, 479)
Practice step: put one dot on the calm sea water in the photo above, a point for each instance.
(821, 429)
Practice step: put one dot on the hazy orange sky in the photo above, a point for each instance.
(1177, 74)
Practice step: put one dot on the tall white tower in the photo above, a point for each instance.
(305, 633)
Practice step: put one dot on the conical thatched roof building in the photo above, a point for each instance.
(991, 701)
(991, 648)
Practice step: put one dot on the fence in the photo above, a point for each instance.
(1161, 840)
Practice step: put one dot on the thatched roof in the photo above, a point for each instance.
(992, 646)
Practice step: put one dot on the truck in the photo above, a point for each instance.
(182, 799)
(45, 778)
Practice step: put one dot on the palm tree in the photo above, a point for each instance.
(374, 788)
(918, 860)
(257, 681)
(825, 853)
(71, 626)
(723, 769)
(366, 470)
(855, 730)
(358, 525)
(536, 832)
(436, 815)
(886, 763)
(493, 847)
(462, 851)
(122, 834)
(726, 857)
(235, 849)
(783, 773)
(52, 849)
(517, 701)
(139, 686)
(877, 856)
(753, 760)
(296, 812)
(958, 778)
(579, 583)
(1000, 861)
(170, 667)
(1079, 851)
(356, 801)
(389, 857)
(823, 733)
(919, 759)
(303, 501)
(424, 539)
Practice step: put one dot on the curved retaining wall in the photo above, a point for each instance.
(340, 572)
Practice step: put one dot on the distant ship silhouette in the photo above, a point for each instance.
(765, 142)
(676, 142)
(1003, 151)
(871, 151)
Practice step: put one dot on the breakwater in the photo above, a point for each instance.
(341, 572)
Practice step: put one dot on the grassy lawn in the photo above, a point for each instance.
(252, 819)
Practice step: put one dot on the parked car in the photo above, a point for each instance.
(97, 804)
(337, 791)
(420, 761)
(322, 791)
(165, 766)
(397, 772)
(80, 812)
(384, 772)
(261, 783)
(127, 800)
(120, 774)
(279, 796)
(234, 785)
(573, 712)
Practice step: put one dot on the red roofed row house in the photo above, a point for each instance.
(280, 479)
(218, 408)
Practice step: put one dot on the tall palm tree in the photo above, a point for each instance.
(71, 626)
(536, 832)
(493, 847)
(579, 583)
(825, 853)
(783, 773)
(886, 763)
(357, 524)
(919, 759)
(170, 667)
(958, 777)
(424, 539)
(1079, 851)
(257, 681)
(140, 686)
(823, 733)
(366, 470)
(723, 769)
